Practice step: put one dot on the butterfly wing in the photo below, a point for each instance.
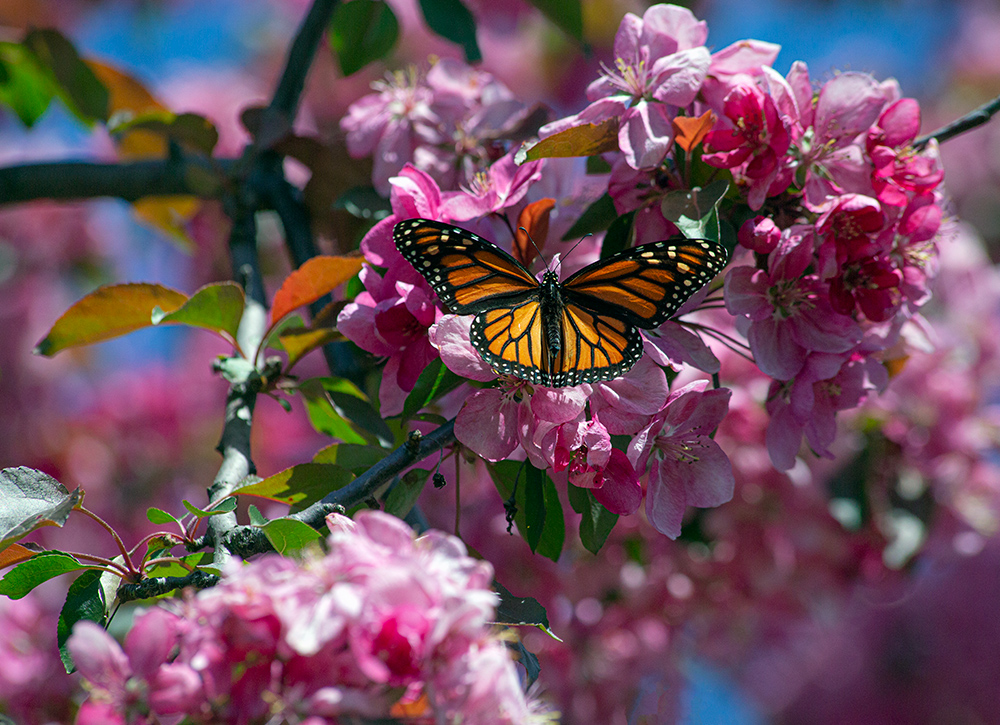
(646, 285)
(592, 347)
(468, 273)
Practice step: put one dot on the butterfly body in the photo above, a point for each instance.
(551, 332)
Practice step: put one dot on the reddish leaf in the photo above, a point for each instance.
(15, 554)
(587, 140)
(690, 131)
(535, 219)
(109, 312)
(315, 278)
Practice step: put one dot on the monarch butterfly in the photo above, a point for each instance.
(556, 333)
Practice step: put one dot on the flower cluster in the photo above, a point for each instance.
(833, 260)
(444, 123)
(383, 625)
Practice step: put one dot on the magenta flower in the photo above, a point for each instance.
(759, 137)
(502, 186)
(851, 222)
(687, 467)
(391, 124)
(789, 314)
(735, 65)
(759, 234)
(124, 684)
(872, 286)
(808, 404)
(660, 64)
(900, 172)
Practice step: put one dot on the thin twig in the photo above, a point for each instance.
(969, 121)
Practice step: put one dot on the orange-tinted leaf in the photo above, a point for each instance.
(587, 140)
(15, 554)
(315, 278)
(412, 708)
(535, 219)
(109, 312)
(130, 98)
(690, 131)
(217, 307)
(129, 95)
(303, 340)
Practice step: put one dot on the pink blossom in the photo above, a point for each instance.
(390, 124)
(735, 64)
(759, 234)
(789, 313)
(900, 172)
(687, 467)
(502, 186)
(660, 63)
(808, 404)
(759, 137)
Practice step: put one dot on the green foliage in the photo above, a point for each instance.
(27, 575)
(86, 599)
(187, 129)
(597, 521)
(619, 235)
(362, 31)
(404, 493)
(539, 515)
(338, 408)
(223, 507)
(566, 14)
(596, 218)
(301, 485)
(289, 536)
(452, 20)
(434, 381)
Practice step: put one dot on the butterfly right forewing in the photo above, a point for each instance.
(468, 273)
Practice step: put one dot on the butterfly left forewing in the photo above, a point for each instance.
(646, 285)
(468, 273)
(512, 340)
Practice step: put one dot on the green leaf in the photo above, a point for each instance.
(596, 218)
(108, 312)
(363, 202)
(619, 235)
(159, 516)
(81, 90)
(290, 535)
(434, 381)
(40, 568)
(256, 517)
(187, 129)
(223, 507)
(695, 211)
(597, 521)
(354, 458)
(216, 307)
(566, 14)
(404, 493)
(452, 20)
(301, 485)
(520, 611)
(26, 88)
(84, 600)
(534, 505)
(30, 499)
(544, 517)
(362, 31)
(331, 401)
(197, 560)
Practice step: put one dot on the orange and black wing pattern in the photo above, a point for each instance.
(646, 285)
(555, 333)
(468, 273)
(576, 346)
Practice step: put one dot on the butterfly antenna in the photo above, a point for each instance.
(540, 255)
(588, 234)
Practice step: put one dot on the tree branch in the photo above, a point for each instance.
(131, 181)
(969, 121)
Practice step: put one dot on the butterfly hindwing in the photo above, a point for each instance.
(468, 273)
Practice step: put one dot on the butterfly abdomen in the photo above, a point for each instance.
(552, 306)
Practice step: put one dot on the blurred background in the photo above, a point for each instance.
(781, 612)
